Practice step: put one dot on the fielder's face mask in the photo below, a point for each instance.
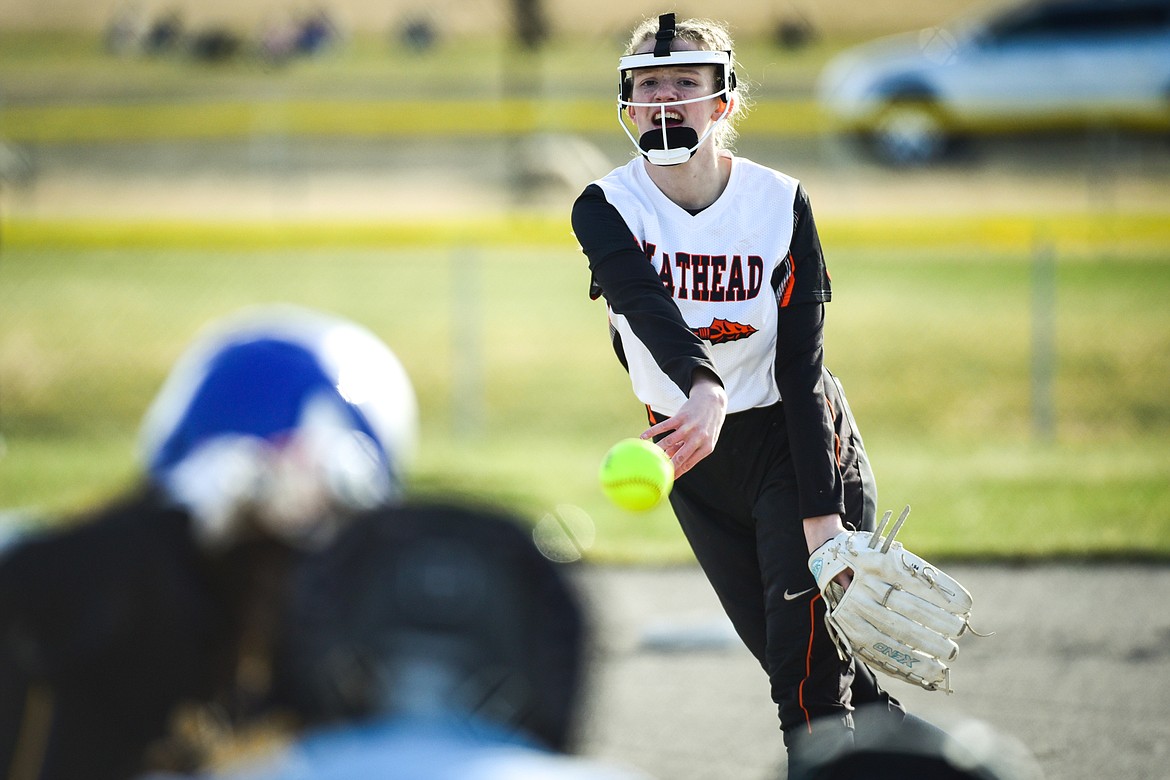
(672, 145)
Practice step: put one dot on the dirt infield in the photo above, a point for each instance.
(1078, 670)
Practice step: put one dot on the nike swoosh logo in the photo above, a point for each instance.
(793, 596)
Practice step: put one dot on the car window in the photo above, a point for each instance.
(1078, 20)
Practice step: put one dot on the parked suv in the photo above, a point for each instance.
(1045, 65)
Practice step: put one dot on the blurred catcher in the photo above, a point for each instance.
(434, 642)
(130, 634)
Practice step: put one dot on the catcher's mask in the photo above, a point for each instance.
(672, 145)
(417, 611)
(281, 416)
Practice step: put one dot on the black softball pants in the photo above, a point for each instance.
(739, 510)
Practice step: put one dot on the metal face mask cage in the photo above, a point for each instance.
(669, 145)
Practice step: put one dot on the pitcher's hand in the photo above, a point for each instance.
(693, 432)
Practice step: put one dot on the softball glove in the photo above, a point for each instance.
(900, 615)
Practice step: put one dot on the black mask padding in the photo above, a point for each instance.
(676, 138)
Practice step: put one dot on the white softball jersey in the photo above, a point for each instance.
(727, 269)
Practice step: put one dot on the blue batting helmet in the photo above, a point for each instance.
(285, 414)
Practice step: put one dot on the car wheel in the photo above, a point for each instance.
(909, 133)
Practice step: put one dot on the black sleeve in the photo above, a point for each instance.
(110, 615)
(632, 288)
(804, 277)
(82, 588)
(799, 368)
(14, 693)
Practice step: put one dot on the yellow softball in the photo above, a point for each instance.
(636, 474)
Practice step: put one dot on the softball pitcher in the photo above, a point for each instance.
(715, 283)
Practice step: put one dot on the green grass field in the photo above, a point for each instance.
(521, 396)
(931, 328)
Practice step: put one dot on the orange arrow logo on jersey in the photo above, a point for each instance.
(721, 331)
